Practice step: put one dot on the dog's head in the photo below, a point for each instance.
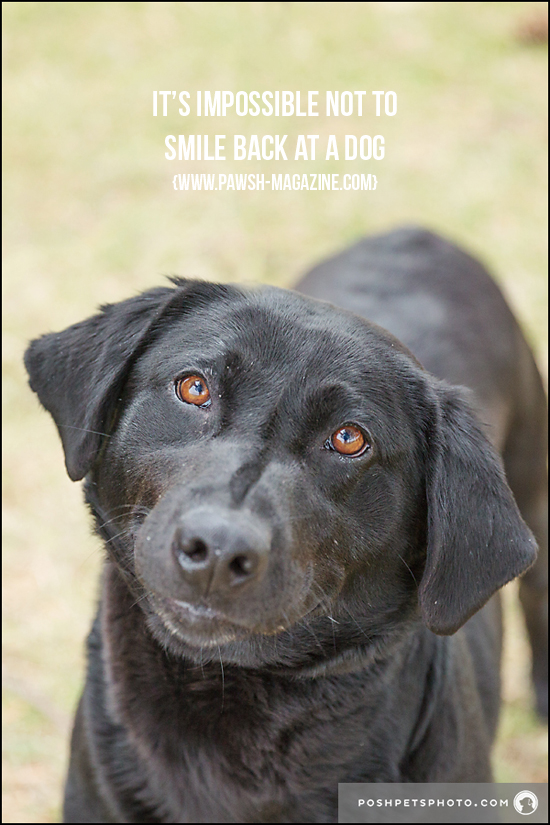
(277, 479)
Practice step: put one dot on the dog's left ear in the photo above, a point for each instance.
(477, 540)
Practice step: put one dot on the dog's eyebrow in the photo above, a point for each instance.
(235, 366)
(234, 363)
(324, 403)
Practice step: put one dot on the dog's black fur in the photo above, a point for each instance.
(277, 617)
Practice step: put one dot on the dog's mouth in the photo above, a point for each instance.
(202, 625)
(195, 612)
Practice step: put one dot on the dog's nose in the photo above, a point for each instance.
(218, 554)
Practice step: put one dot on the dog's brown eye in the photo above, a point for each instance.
(349, 440)
(193, 390)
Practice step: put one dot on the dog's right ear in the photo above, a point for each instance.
(78, 373)
(477, 539)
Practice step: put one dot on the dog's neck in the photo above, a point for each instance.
(213, 706)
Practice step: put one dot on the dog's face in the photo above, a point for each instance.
(276, 479)
(268, 456)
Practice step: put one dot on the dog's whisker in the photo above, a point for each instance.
(325, 602)
(85, 430)
(408, 568)
(355, 622)
(127, 532)
(139, 600)
(96, 551)
(112, 520)
(223, 679)
(310, 630)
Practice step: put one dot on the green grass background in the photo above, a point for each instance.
(90, 216)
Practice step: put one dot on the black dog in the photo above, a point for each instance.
(299, 521)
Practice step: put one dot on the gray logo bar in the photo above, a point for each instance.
(449, 802)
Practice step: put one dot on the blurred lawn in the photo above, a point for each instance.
(91, 217)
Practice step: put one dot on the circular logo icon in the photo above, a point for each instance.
(526, 802)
